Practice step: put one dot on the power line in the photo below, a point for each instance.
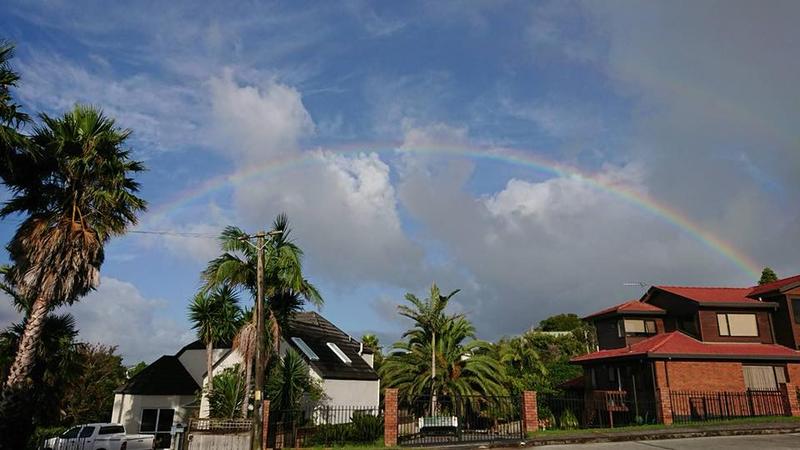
(176, 233)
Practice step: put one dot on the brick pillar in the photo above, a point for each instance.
(390, 417)
(664, 406)
(530, 412)
(790, 400)
(264, 424)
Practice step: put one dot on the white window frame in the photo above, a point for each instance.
(338, 352)
(300, 343)
(724, 325)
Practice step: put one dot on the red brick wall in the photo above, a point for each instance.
(705, 376)
(390, 417)
(793, 371)
(530, 414)
(710, 327)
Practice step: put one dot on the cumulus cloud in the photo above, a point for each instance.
(538, 248)
(344, 210)
(256, 123)
(118, 314)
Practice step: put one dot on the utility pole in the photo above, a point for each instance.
(260, 347)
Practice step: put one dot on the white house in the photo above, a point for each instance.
(167, 392)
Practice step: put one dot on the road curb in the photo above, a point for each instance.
(645, 436)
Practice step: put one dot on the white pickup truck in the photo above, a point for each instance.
(99, 436)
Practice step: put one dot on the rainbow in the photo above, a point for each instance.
(504, 155)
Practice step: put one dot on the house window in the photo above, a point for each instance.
(639, 327)
(737, 325)
(761, 378)
(612, 374)
(301, 344)
(796, 309)
(336, 350)
(156, 420)
(593, 377)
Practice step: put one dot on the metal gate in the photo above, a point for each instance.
(449, 419)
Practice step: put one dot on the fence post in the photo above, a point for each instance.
(791, 403)
(664, 406)
(390, 417)
(264, 424)
(530, 412)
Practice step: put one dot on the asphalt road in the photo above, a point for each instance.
(760, 442)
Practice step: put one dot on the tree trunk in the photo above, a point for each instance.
(433, 374)
(26, 353)
(210, 366)
(248, 369)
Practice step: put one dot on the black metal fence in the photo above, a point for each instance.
(325, 426)
(446, 419)
(693, 406)
(604, 410)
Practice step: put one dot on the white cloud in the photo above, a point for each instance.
(256, 123)
(118, 314)
(344, 211)
(540, 248)
(163, 115)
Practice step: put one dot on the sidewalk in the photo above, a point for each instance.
(589, 436)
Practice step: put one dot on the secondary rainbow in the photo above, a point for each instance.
(505, 155)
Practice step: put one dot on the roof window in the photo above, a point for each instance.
(305, 349)
(335, 348)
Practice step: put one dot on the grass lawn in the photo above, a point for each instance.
(750, 420)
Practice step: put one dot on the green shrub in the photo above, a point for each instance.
(363, 429)
(366, 428)
(42, 433)
(568, 421)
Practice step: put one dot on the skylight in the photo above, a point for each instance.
(305, 349)
(335, 348)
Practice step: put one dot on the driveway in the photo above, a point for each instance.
(760, 442)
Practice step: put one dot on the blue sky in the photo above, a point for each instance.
(688, 102)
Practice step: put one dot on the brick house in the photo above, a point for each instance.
(679, 339)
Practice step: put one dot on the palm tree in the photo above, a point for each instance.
(55, 363)
(522, 361)
(286, 288)
(75, 193)
(289, 382)
(228, 395)
(245, 343)
(372, 342)
(429, 316)
(11, 115)
(215, 316)
(467, 366)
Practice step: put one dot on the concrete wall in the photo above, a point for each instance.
(352, 392)
(128, 408)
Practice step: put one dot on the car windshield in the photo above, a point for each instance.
(71, 433)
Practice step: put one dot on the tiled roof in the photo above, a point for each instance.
(774, 286)
(680, 346)
(631, 306)
(166, 376)
(711, 294)
(316, 332)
